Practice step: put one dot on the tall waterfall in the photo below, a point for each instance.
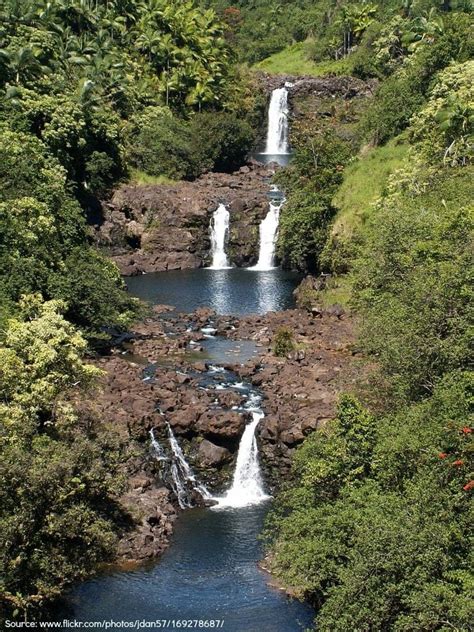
(268, 238)
(247, 484)
(219, 232)
(277, 134)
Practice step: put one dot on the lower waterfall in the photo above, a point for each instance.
(157, 449)
(247, 483)
(219, 232)
(183, 480)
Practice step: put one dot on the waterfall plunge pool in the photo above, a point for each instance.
(209, 572)
(234, 291)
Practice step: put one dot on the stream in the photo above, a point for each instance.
(210, 571)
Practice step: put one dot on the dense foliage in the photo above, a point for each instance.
(88, 90)
(57, 472)
(376, 529)
(334, 29)
(310, 183)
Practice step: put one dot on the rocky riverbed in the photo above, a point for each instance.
(158, 380)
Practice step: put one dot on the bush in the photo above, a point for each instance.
(413, 281)
(94, 293)
(43, 240)
(283, 342)
(220, 141)
(161, 144)
(403, 93)
(309, 184)
(158, 143)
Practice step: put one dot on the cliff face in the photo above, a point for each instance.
(166, 227)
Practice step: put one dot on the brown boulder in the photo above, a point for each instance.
(211, 455)
(221, 423)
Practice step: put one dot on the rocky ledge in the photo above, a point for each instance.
(335, 86)
(157, 381)
(150, 228)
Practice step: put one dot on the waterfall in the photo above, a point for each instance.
(247, 485)
(157, 449)
(268, 238)
(219, 231)
(182, 475)
(183, 480)
(277, 134)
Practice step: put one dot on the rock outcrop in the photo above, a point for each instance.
(341, 86)
(149, 228)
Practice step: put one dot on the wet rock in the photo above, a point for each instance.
(221, 423)
(211, 455)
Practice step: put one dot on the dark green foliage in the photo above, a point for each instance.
(414, 281)
(58, 468)
(43, 240)
(57, 520)
(220, 141)
(376, 534)
(93, 291)
(159, 143)
(403, 93)
(309, 184)
(283, 342)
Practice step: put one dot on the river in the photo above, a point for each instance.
(210, 571)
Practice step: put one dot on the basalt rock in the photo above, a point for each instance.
(211, 455)
(222, 424)
(148, 228)
(151, 521)
(345, 87)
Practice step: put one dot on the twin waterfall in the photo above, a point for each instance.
(219, 235)
(247, 484)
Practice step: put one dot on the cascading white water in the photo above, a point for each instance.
(247, 484)
(268, 238)
(183, 478)
(277, 133)
(157, 449)
(219, 230)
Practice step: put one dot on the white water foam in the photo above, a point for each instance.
(219, 233)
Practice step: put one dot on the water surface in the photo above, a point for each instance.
(209, 572)
(235, 291)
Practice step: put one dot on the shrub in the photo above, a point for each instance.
(220, 140)
(158, 143)
(283, 342)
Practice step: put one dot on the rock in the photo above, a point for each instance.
(335, 310)
(211, 455)
(154, 515)
(166, 227)
(221, 423)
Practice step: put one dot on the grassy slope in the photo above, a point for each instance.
(294, 60)
(364, 182)
(140, 177)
